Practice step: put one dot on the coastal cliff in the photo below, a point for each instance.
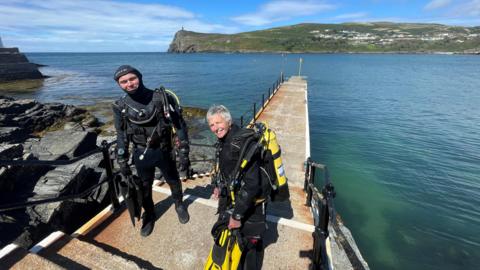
(379, 37)
(184, 42)
(15, 66)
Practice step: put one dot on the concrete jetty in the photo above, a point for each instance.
(14, 65)
(110, 241)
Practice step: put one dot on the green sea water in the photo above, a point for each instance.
(400, 135)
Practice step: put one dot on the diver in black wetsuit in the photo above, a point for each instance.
(247, 211)
(145, 118)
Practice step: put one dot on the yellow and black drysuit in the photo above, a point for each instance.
(246, 204)
(143, 119)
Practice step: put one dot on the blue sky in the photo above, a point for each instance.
(149, 26)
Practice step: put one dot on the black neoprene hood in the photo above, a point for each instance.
(125, 69)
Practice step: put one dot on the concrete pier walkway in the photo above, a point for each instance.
(287, 114)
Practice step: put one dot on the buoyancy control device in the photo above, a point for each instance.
(158, 111)
(264, 140)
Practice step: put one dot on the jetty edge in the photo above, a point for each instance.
(109, 240)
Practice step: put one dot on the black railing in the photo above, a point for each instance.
(323, 210)
(110, 177)
(56, 198)
(324, 215)
(255, 110)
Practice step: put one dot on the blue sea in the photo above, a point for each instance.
(399, 133)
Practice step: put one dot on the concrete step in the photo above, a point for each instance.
(20, 258)
(76, 253)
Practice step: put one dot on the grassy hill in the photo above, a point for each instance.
(346, 37)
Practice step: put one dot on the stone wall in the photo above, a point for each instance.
(15, 66)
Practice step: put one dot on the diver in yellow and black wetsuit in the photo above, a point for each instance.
(239, 206)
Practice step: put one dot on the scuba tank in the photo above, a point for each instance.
(269, 141)
(272, 168)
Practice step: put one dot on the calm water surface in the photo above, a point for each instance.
(400, 134)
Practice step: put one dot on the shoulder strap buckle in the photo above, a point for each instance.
(160, 100)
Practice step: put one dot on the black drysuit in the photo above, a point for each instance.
(138, 117)
(246, 208)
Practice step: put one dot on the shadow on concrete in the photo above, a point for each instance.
(306, 254)
(280, 209)
(104, 224)
(162, 206)
(276, 210)
(271, 234)
(143, 264)
(13, 257)
(51, 254)
(200, 191)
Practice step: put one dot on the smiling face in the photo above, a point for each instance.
(218, 125)
(129, 82)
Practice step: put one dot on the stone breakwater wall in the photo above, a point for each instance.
(15, 66)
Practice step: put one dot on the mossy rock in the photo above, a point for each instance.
(84, 120)
(193, 112)
(22, 86)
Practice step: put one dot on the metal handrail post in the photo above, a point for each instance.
(320, 260)
(254, 112)
(324, 214)
(311, 184)
(320, 235)
(241, 121)
(263, 101)
(307, 174)
(112, 187)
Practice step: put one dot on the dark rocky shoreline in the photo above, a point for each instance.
(26, 133)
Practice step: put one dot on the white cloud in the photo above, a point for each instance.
(468, 8)
(283, 10)
(460, 12)
(102, 25)
(435, 4)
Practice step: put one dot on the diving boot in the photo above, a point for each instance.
(148, 222)
(182, 212)
(183, 174)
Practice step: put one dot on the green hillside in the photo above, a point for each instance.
(346, 37)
